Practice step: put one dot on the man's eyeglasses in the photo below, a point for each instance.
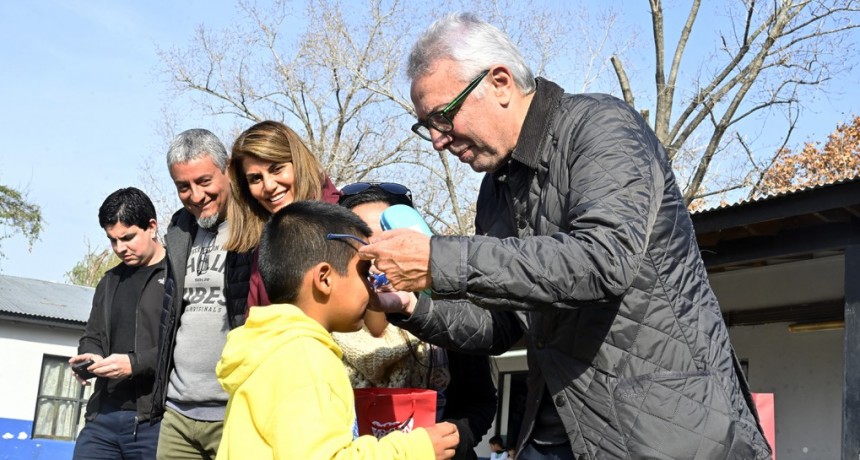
(387, 187)
(378, 279)
(440, 120)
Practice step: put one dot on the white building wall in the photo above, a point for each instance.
(21, 350)
(805, 373)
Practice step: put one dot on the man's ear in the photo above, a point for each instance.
(323, 278)
(503, 83)
(152, 228)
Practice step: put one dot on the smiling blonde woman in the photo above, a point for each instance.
(270, 167)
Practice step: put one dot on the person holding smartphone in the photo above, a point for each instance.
(120, 343)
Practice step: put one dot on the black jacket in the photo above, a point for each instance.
(585, 243)
(470, 400)
(96, 338)
(180, 235)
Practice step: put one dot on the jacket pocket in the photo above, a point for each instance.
(676, 415)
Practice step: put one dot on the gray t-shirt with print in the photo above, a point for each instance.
(193, 389)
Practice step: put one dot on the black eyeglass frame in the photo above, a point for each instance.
(439, 120)
(345, 236)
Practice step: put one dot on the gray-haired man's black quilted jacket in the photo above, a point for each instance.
(585, 235)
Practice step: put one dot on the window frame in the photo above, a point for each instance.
(80, 402)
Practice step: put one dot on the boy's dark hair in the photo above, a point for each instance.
(129, 206)
(294, 240)
(372, 195)
(496, 440)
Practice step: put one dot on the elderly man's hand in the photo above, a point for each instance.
(404, 256)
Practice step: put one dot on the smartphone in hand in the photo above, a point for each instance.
(81, 369)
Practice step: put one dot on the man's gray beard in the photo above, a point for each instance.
(208, 222)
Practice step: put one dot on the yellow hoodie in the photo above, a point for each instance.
(290, 397)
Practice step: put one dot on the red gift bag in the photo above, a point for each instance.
(382, 410)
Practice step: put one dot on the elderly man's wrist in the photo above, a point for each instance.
(409, 307)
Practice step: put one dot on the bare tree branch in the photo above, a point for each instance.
(333, 72)
(767, 58)
(623, 81)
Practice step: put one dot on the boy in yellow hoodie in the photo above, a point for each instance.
(290, 396)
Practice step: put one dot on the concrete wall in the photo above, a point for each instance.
(21, 350)
(805, 373)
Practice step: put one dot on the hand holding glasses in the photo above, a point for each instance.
(384, 301)
(379, 279)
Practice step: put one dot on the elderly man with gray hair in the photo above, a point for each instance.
(584, 244)
(206, 294)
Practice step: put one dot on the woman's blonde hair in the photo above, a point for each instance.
(275, 142)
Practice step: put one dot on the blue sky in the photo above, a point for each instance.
(82, 97)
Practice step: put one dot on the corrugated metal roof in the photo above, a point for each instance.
(44, 299)
(776, 195)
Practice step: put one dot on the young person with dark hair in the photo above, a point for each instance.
(378, 355)
(497, 447)
(121, 336)
(289, 394)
